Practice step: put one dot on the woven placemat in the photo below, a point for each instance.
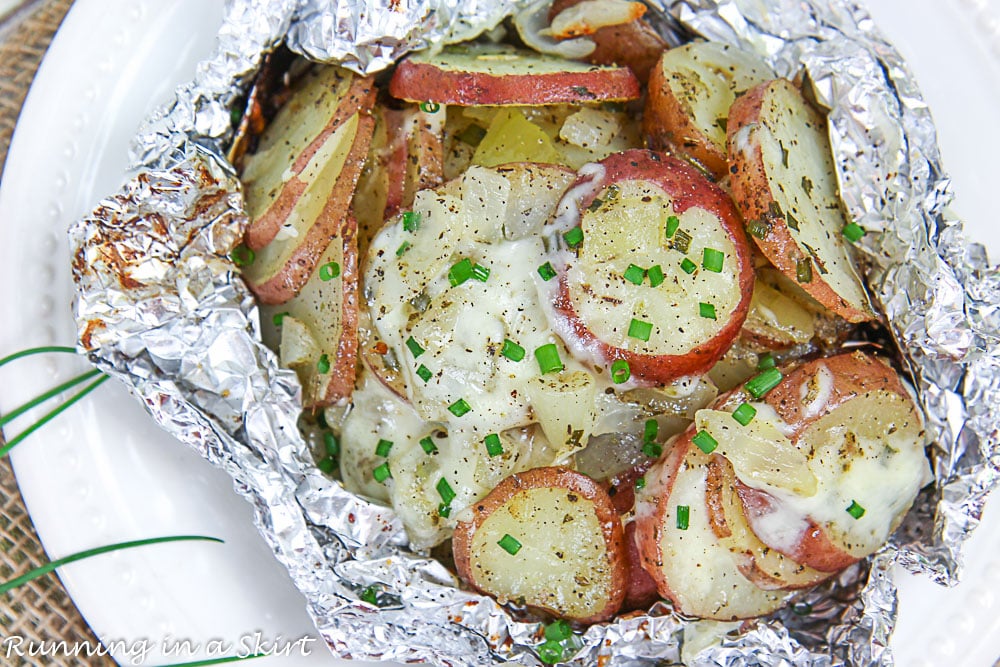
(40, 613)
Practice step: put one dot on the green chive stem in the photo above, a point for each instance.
(49, 416)
(18, 411)
(37, 350)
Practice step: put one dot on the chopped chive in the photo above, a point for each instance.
(705, 442)
(460, 272)
(330, 444)
(403, 247)
(411, 221)
(548, 359)
(493, 445)
(381, 473)
(634, 274)
(430, 107)
(480, 273)
(639, 329)
(329, 271)
(444, 510)
(383, 447)
(650, 430)
(424, 373)
(759, 228)
(459, 407)
(512, 350)
(620, 371)
(326, 465)
(596, 204)
(546, 271)
(712, 260)
(414, 347)
(682, 241)
(856, 510)
(321, 420)
(550, 652)
(242, 256)
(673, 222)
(652, 449)
(369, 595)
(683, 517)
(764, 382)
(558, 630)
(765, 361)
(323, 365)
(445, 491)
(279, 318)
(509, 544)
(428, 445)
(853, 232)
(573, 237)
(655, 274)
(707, 311)
(745, 413)
(640, 483)
(804, 270)
(688, 267)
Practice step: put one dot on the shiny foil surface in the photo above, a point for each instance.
(161, 307)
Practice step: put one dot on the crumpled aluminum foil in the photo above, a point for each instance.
(161, 307)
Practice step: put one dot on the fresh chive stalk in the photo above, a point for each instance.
(330, 444)
(459, 407)
(411, 221)
(856, 510)
(428, 445)
(853, 232)
(493, 445)
(765, 361)
(460, 272)
(573, 237)
(329, 271)
(445, 491)
(49, 416)
(650, 430)
(688, 267)
(509, 544)
(548, 359)
(31, 351)
(546, 271)
(640, 329)
(707, 311)
(512, 350)
(414, 347)
(655, 275)
(763, 382)
(480, 273)
(705, 442)
(683, 517)
(634, 274)
(620, 371)
(424, 373)
(712, 260)
(382, 473)
(383, 447)
(744, 414)
(673, 223)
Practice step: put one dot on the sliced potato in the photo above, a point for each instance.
(691, 89)
(785, 185)
(548, 538)
(775, 321)
(495, 74)
(567, 430)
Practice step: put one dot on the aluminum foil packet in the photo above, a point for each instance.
(161, 307)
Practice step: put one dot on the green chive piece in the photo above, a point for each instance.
(620, 371)
(745, 413)
(639, 329)
(49, 416)
(688, 267)
(279, 318)
(330, 444)
(650, 430)
(403, 247)
(655, 274)
(681, 242)
(634, 274)
(444, 510)
(414, 347)
(460, 272)
(558, 631)
(459, 407)
(765, 361)
(804, 270)
(853, 232)
(493, 446)
(573, 237)
(321, 420)
(707, 311)
(381, 473)
(640, 483)
(329, 271)
(509, 544)
(424, 373)
(323, 365)
(369, 595)
(512, 350)
(652, 449)
(220, 661)
(428, 445)
(856, 510)
(596, 204)
(673, 222)
(712, 260)
(683, 517)
(550, 652)
(480, 273)
(764, 382)
(36, 350)
(705, 442)
(759, 228)
(548, 359)
(546, 271)
(445, 491)
(326, 465)
(411, 221)
(383, 447)
(81, 555)
(242, 256)
(430, 107)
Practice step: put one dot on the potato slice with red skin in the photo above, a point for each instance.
(785, 185)
(501, 75)
(679, 189)
(572, 558)
(640, 588)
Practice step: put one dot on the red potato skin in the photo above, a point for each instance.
(551, 477)
(359, 98)
(634, 44)
(752, 194)
(640, 588)
(425, 82)
(687, 188)
(287, 282)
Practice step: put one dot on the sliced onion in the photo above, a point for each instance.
(532, 20)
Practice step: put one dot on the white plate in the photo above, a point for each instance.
(104, 472)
